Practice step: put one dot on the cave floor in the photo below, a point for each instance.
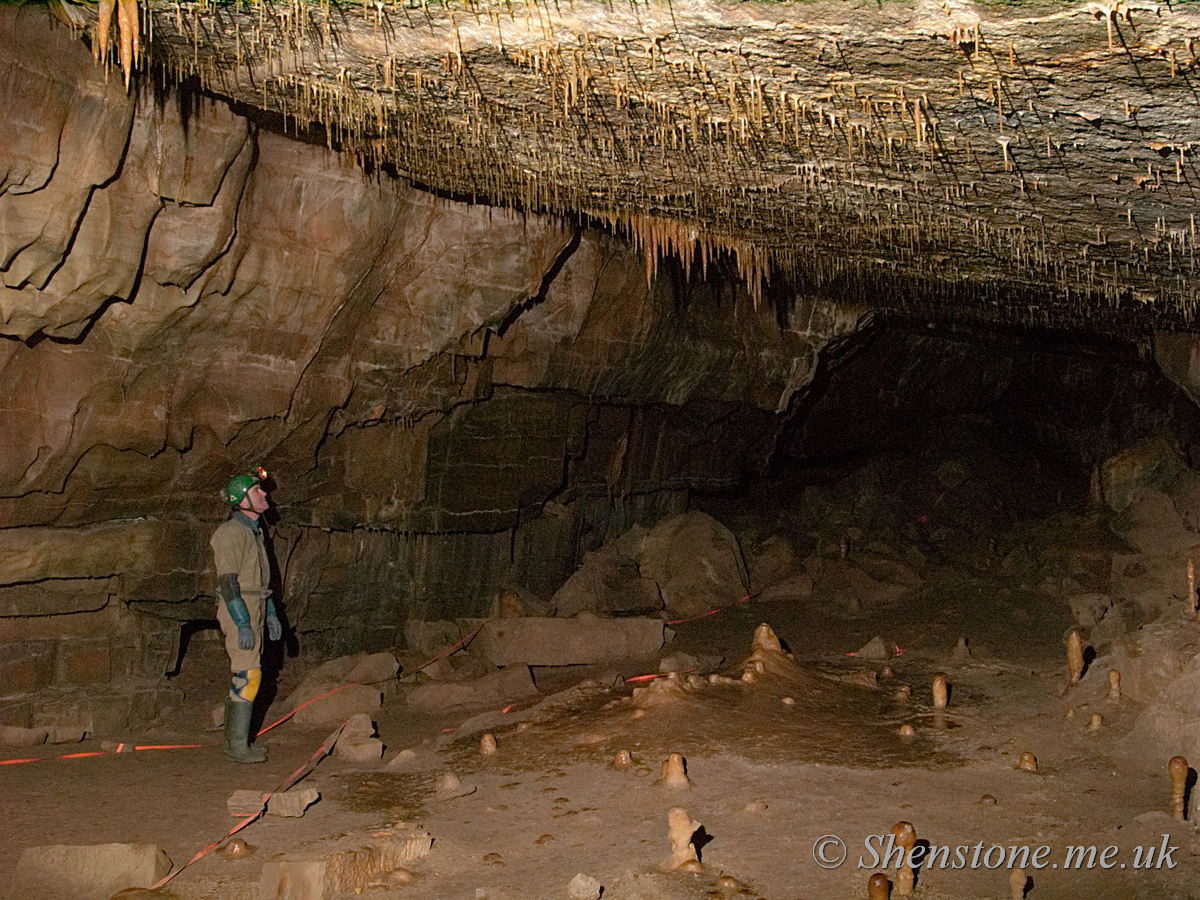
(549, 804)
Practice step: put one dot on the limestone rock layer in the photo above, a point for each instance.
(186, 294)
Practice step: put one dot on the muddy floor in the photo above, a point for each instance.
(779, 787)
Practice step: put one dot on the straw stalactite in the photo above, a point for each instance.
(920, 168)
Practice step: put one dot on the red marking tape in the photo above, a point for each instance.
(120, 748)
(656, 675)
(711, 612)
(324, 750)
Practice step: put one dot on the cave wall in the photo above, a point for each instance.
(451, 397)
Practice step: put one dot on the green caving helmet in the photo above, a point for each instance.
(240, 485)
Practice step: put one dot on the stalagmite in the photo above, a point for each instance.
(1096, 722)
(906, 837)
(1114, 686)
(622, 760)
(1016, 881)
(1075, 655)
(940, 693)
(878, 887)
(680, 828)
(907, 731)
(1177, 768)
(487, 745)
(1028, 762)
(673, 772)
(902, 694)
(1191, 583)
(961, 651)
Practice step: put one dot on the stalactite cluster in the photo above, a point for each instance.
(980, 151)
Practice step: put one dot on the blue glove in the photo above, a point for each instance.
(274, 626)
(236, 607)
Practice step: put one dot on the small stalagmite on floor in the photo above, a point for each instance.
(680, 829)
(622, 760)
(487, 745)
(1114, 686)
(1096, 722)
(878, 887)
(1177, 768)
(1028, 762)
(662, 691)
(674, 773)
(941, 693)
(962, 652)
(1075, 655)
(766, 655)
(906, 837)
(1016, 882)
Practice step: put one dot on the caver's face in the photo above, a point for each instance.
(256, 500)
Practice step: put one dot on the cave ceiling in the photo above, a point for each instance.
(1027, 163)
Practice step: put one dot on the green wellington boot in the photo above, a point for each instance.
(237, 734)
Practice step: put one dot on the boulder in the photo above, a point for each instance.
(513, 683)
(582, 640)
(1171, 721)
(373, 668)
(1150, 659)
(343, 865)
(1150, 463)
(797, 587)
(844, 582)
(876, 648)
(357, 743)
(696, 562)
(1088, 609)
(770, 561)
(289, 804)
(335, 708)
(15, 736)
(88, 872)
(607, 582)
(356, 668)
(359, 751)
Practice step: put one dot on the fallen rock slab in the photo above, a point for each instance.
(345, 865)
(567, 642)
(15, 736)
(337, 707)
(511, 684)
(290, 804)
(87, 872)
(359, 750)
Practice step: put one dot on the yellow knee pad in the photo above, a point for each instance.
(244, 687)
